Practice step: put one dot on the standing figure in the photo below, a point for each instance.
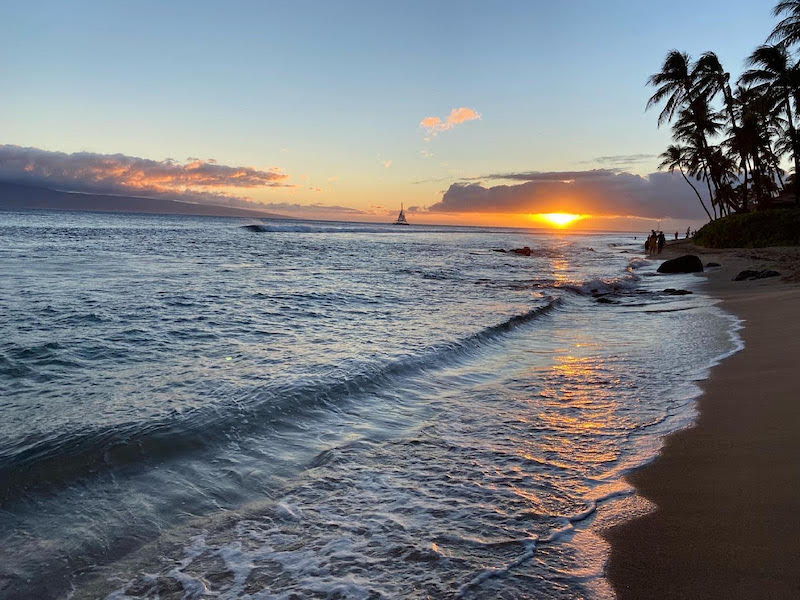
(662, 241)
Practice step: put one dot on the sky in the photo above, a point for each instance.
(345, 110)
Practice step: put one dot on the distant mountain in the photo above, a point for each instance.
(15, 197)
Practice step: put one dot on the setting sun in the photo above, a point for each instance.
(557, 219)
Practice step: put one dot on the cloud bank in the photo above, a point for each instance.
(435, 125)
(599, 192)
(195, 180)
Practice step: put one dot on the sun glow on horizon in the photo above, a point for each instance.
(557, 219)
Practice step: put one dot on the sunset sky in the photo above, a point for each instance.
(466, 112)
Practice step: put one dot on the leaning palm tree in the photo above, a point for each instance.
(676, 158)
(773, 67)
(787, 31)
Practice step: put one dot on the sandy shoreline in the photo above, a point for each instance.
(727, 491)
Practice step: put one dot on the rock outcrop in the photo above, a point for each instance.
(689, 263)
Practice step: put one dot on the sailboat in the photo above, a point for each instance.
(401, 218)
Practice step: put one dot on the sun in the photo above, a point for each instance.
(557, 219)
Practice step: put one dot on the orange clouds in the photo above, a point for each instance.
(120, 174)
(435, 125)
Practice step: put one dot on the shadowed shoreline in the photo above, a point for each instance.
(727, 490)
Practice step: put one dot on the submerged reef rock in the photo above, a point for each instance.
(749, 275)
(689, 263)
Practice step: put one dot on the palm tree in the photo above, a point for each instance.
(673, 83)
(676, 158)
(774, 68)
(760, 105)
(710, 79)
(676, 86)
(725, 171)
(695, 124)
(787, 31)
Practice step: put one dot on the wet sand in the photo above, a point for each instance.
(727, 491)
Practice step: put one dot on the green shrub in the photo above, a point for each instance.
(777, 227)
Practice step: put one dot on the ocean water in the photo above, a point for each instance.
(219, 408)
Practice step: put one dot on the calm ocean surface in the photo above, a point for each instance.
(193, 409)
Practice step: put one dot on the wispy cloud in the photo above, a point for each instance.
(314, 211)
(599, 192)
(434, 180)
(435, 125)
(195, 180)
(622, 160)
(564, 176)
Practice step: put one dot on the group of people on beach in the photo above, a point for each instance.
(655, 242)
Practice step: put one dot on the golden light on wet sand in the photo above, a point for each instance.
(557, 219)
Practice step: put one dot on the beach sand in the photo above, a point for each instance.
(727, 491)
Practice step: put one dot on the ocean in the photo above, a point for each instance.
(223, 408)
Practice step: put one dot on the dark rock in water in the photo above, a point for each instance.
(524, 251)
(688, 263)
(674, 292)
(498, 250)
(604, 300)
(253, 227)
(749, 275)
(713, 264)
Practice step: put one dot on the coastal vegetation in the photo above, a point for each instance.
(759, 229)
(732, 141)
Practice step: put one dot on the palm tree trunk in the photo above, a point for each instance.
(710, 193)
(707, 159)
(757, 171)
(726, 91)
(744, 187)
(795, 150)
(699, 197)
(776, 165)
(706, 154)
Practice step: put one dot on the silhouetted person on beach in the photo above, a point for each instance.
(651, 244)
(676, 235)
(662, 241)
(688, 230)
